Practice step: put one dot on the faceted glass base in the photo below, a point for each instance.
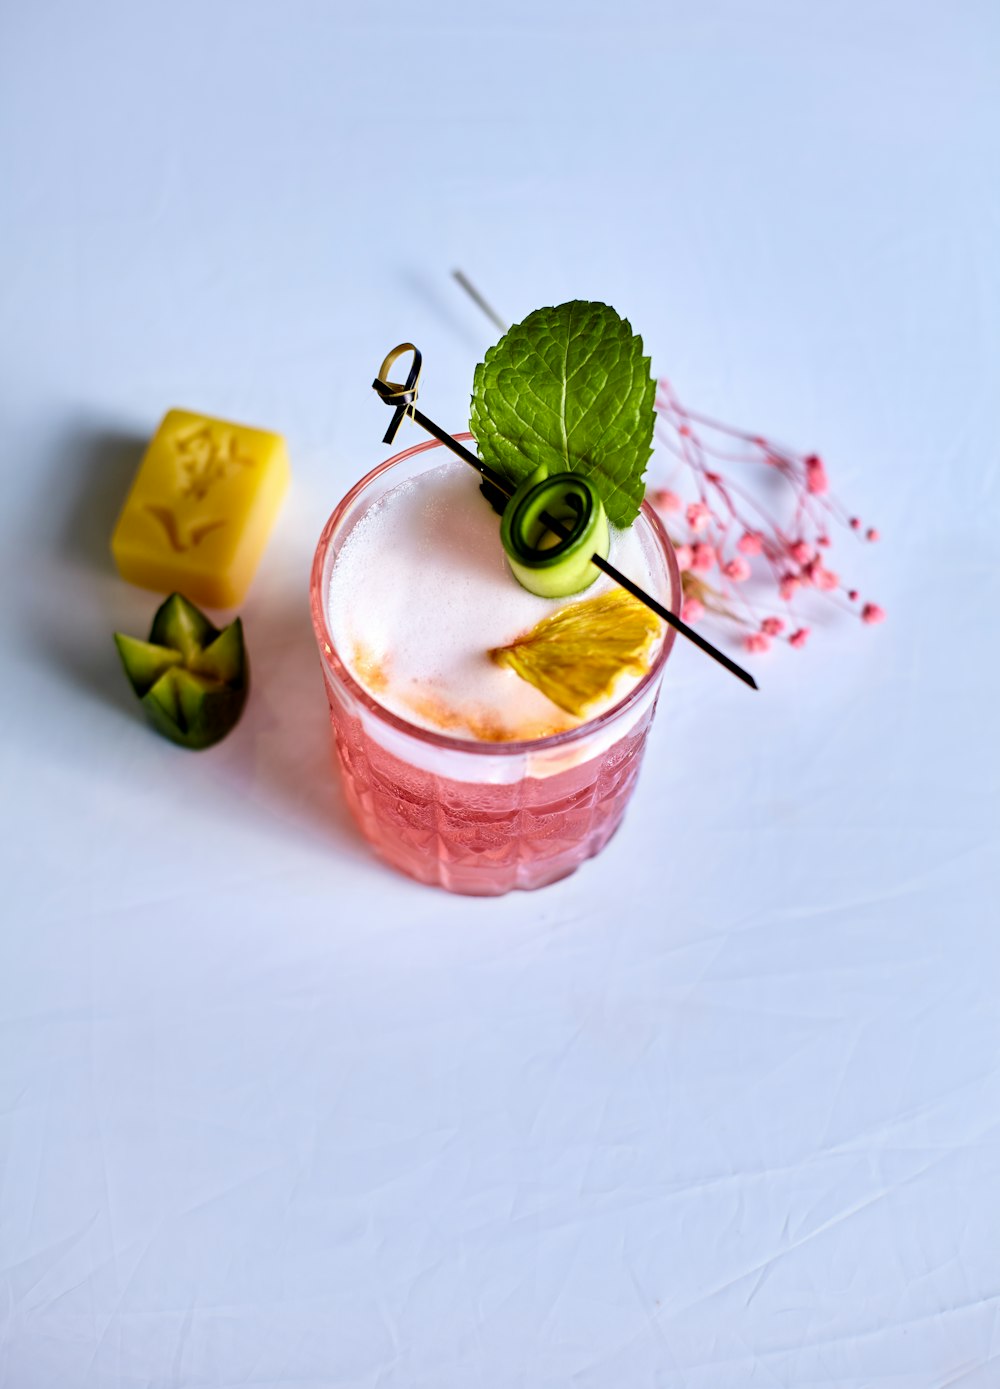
(475, 817)
(481, 839)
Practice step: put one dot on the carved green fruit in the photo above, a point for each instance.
(191, 677)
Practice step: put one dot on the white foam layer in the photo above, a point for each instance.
(419, 593)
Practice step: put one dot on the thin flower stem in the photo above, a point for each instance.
(728, 522)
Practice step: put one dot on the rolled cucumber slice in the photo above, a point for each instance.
(192, 678)
(542, 561)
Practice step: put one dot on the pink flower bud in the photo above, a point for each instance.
(684, 555)
(816, 480)
(871, 533)
(698, 517)
(788, 586)
(800, 552)
(756, 641)
(772, 626)
(826, 579)
(823, 540)
(737, 569)
(855, 523)
(853, 595)
(702, 557)
(666, 500)
(749, 544)
(692, 609)
(798, 639)
(871, 612)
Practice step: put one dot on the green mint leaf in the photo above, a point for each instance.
(569, 387)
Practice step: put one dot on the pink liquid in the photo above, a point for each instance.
(482, 839)
(473, 817)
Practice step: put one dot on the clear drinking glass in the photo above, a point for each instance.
(474, 817)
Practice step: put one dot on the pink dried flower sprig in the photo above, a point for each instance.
(728, 526)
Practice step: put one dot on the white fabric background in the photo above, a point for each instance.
(721, 1110)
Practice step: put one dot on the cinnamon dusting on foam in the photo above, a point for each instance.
(420, 592)
(369, 669)
(435, 712)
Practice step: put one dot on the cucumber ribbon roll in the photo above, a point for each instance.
(543, 561)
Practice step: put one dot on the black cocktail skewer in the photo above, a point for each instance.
(479, 301)
(402, 398)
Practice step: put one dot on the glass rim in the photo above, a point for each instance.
(472, 746)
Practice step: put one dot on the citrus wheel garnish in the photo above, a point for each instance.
(576, 655)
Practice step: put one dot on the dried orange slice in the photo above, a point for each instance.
(576, 655)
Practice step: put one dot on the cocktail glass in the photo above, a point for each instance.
(475, 817)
